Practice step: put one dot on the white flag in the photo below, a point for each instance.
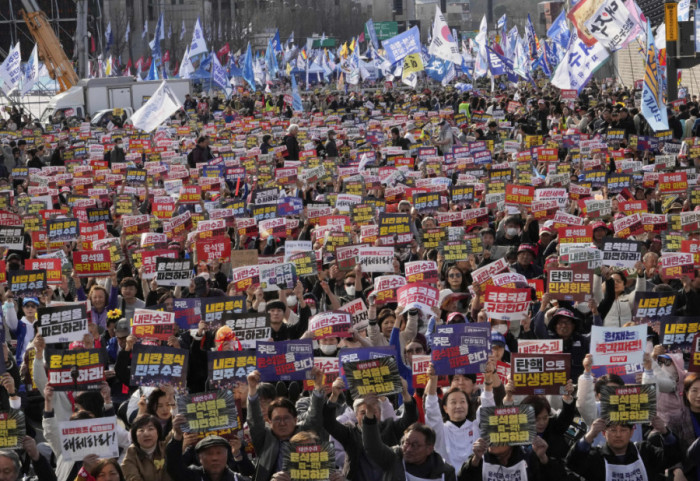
(183, 30)
(145, 29)
(613, 25)
(581, 62)
(31, 72)
(186, 67)
(157, 110)
(198, 45)
(10, 70)
(128, 31)
(442, 44)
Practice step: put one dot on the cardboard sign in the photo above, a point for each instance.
(228, 369)
(173, 272)
(650, 306)
(95, 436)
(511, 426)
(380, 376)
(155, 365)
(209, 411)
(507, 304)
(634, 404)
(677, 332)
(96, 263)
(540, 373)
(330, 324)
(461, 348)
(12, 429)
(150, 324)
(76, 370)
(250, 328)
(308, 462)
(618, 345)
(65, 323)
(284, 360)
(536, 346)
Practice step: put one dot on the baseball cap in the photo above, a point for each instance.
(32, 300)
(210, 442)
(200, 286)
(498, 338)
(122, 328)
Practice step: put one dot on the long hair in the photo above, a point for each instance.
(103, 464)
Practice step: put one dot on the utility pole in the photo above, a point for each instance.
(672, 54)
(82, 38)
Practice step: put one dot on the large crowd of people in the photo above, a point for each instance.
(349, 154)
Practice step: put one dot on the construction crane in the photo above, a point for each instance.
(50, 50)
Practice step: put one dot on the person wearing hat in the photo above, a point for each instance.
(122, 329)
(201, 288)
(22, 329)
(213, 452)
(600, 232)
(281, 331)
(619, 458)
(563, 325)
(525, 262)
(331, 147)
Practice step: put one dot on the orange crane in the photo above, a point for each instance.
(50, 50)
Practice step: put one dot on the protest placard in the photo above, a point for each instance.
(461, 348)
(12, 429)
(621, 252)
(308, 462)
(358, 311)
(540, 373)
(27, 283)
(173, 272)
(275, 277)
(246, 276)
(65, 323)
(376, 259)
(512, 426)
(54, 275)
(421, 271)
(331, 324)
(694, 363)
(304, 263)
(418, 295)
(151, 324)
(650, 306)
(540, 346)
(95, 436)
(618, 345)
(228, 369)
(674, 265)
(507, 304)
(213, 249)
(156, 365)
(250, 327)
(217, 310)
(188, 312)
(380, 376)
(63, 230)
(284, 360)
(94, 263)
(677, 332)
(12, 237)
(211, 411)
(570, 284)
(633, 404)
(76, 370)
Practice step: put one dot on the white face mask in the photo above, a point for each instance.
(262, 306)
(501, 329)
(670, 371)
(292, 301)
(512, 231)
(350, 290)
(313, 311)
(328, 349)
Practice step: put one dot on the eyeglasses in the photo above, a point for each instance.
(664, 362)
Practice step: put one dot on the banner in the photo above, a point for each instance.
(250, 327)
(331, 324)
(403, 44)
(634, 404)
(96, 436)
(76, 370)
(613, 25)
(149, 324)
(545, 346)
(507, 304)
(284, 360)
(677, 332)
(308, 462)
(65, 323)
(12, 429)
(211, 411)
(652, 306)
(461, 348)
(97, 263)
(380, 376)
(540, 373)
(155, 365)
(228, 369)
(618, 345)
(512, 426)
(173, 272)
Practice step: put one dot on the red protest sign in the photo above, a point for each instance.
(92, 263)
(216, 248)
(51, 266)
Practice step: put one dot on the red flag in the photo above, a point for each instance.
(223, 51)
(166, 57)
(92, 44)
(147, 63)
(176, 69)
(139, 64)
(361, 38)
(128, 65)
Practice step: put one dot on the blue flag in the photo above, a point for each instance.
(271, 60)
(531, 38)
(372, 33)
(248, 74)
(403, 44)
(153, 71)
(218, 74)
(276, 42)
(559, 31)
(296, 98)
(436, 68)
(653, 108)
(499, 65)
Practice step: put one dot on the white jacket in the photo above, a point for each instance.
(452, 442)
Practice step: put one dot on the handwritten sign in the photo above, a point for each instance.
(95, 436)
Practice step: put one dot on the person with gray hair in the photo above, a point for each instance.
(290, 141)
(11, 466)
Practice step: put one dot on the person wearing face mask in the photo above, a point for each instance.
(117, 154)
(492, 252)
(327, 347)
(512, 232)
(668, 374)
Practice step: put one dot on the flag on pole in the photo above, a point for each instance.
(581, 61)
(653, 108)
(10, 70)
(144, 34)
(198, 45)
(248, 73)
(128, 31)
(186, 67)
(152, 70)
(31, 71)
(170, 30)
(218, 75)
(297, 106)
(183, 31)
(108, 35)
(157, 110)
(157, 37)
(276, 42)
(369, 26)
(443, 45)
